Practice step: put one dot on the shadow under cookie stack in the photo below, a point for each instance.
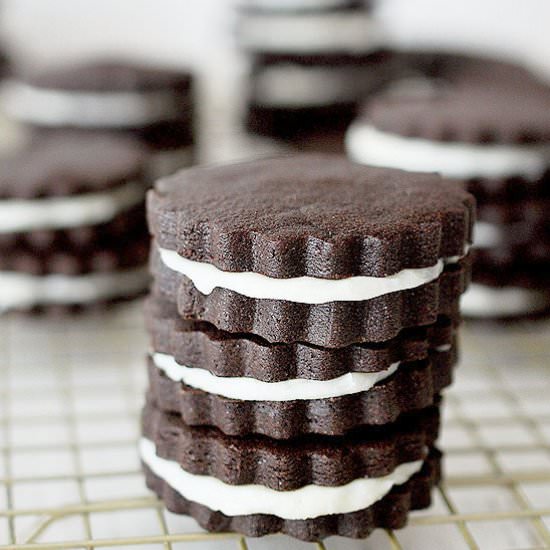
(303, 323)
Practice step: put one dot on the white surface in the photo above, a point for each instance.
(310, 501)
(72, 211)
(304, 290)
(176, 31)
(309, 33)
(51, 107)
(250, 389)
(368, 145)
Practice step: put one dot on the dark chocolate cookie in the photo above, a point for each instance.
(71, 163)
(101, 76)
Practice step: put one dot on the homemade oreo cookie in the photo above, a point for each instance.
(311, 63)
(262, 418)
(322, 250)
(494, 134)
(72, 228)
(310, 488)
(153, 105)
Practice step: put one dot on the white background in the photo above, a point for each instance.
(198, 32)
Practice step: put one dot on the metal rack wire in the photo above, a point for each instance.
(70, 393)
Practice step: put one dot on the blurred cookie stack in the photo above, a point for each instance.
(72, 197)
(311, 63)
(72, 229)
(154, 106)
(303, 323)
(486, 123)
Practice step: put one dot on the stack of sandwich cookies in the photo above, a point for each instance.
(152, 105)
(495, 136)
(72, 228)
(311, 63)
(263, 416)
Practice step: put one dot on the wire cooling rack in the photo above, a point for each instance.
(70, 393)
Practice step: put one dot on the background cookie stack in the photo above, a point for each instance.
(72, 197)
(486, 123)
(303, 323)
(72, 223)
(152, 105)
(311, 63)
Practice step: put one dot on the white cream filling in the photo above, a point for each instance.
(70, 211)
(50, 107)
(293, 85)
(166, 163)
(20, 290)
(484, 301)
(349, 32)
(307, 502)
(250, 389)
(305, 290)
(367, 145)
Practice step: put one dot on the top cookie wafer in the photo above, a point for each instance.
(104, 76)
(310, 215)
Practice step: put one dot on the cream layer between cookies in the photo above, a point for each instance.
(306, 290)
(62, 212)
(368, 145)
(250, 389)
(52, 107)
(351, 32)
(246, 388)
(294, 85)
(22, 291)
(485, 301)
(310, 501)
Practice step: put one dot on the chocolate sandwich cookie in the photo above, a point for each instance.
(292, 95)
(322, 251)
(311, 64)
(72, 228)
(492, 133)
(409, 387)
(310, 513)
(152, 105)
(479, 133)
